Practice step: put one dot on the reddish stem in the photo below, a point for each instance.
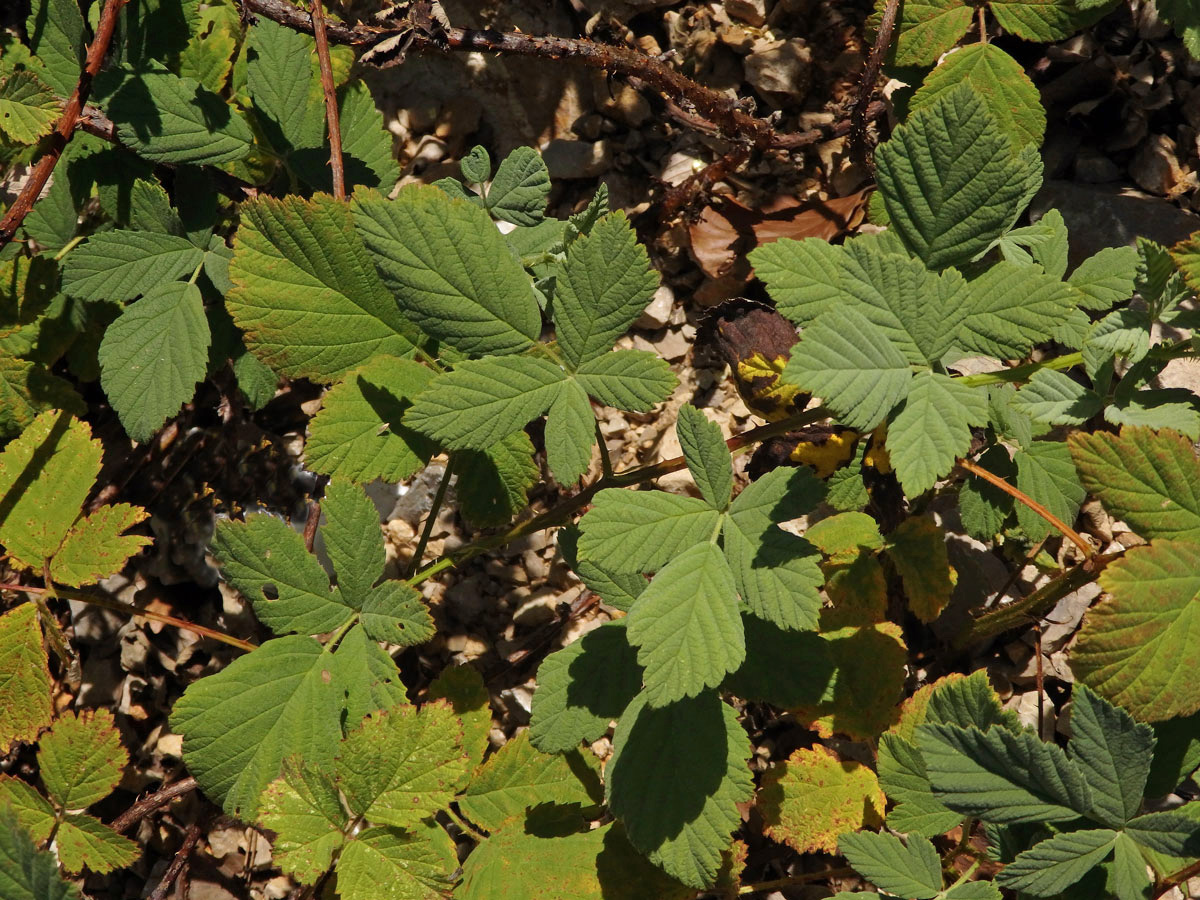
(336, 165)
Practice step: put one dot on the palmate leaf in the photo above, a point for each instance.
(1053, 865)
(933, 429)
(907, 870)
(397, 864)
(25, 684)
(950, 182)
(120, 265)
(640, 531)
(706, 455)
(680, 817)
(1172, 833)
(1113, 752)
(25, 872)
(633, 380)
(81, 758)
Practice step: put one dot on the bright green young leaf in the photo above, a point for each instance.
(482, 401)
(570, 432)
(303, 808)
(153, 356)
(402, 765)
(706, 455)
(1043, 20)
(582, 687)
(25, 872)
(1056, 398)
(1113, 752)
(903, 777)
(120, 265)
(680, 817)
(933, 429)
(493, 483)
(917, 549)
(57, 35)
(35, 814)
(450, 269)
(1133, 648)
(25, 691)
(603, 285)
(640, 531)
(853, 366)
(949, 180)
(912, 870)
(1045, 473)
(634, 380)
(1002, 776)
(357, 433)
(83, 841)
(1053, 865)
(1106, 279)
(81, 758)
(927, 29)
(686, 626)
(1013, 307)
(1149, 479)
(397, 864)
(519, 191)
(306, 294)
(237, 725)
(28, 108)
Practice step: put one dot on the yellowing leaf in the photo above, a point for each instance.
(24, 677)
(917, 548)
(86, 842)
(812, 799)
(81, 758)
(95, 547)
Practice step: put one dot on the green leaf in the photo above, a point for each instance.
(999, 80)
(402, 764)
(265, 559)
(306, 294)
(582, 687)
(850, 363)
(120, 265)
(686, 626)
(86, 842)
(368, 675)
(949, 180)
(1043, 20)
(1158, 409)
(208, 54)
(984, 507)
(640, 531)
(927, 29)
(153, 356)
(1105, 279)
(57, 35)
(357, 433)
(933, 429)
(278, 76)
(28, 108)
(616, 589)
(25, 690)
(1045, 473)
(804, 278)
(1176, 754)
(917, 549)
(27, 389)
(908, 871)
(1002, 776)
(463, 688)
(1056, 398)
(681, 817)
(1013, 308)
(1127, 875)
(903, 777)
(1055, 864)
(449, 269)
(35, 814)
(81, 758)
(476, 165)
(237, 725)
(493, 483)
(394, 612)
(303, 808)
(634, 380)
(397, 864)
(353, 541)
(1113, 752)
(570, 432)
(366, 142)
(1172, 833)
(26, 873)
(482, 401)
(168, 119)
(1133, 647)
(706, 455)
(969, 702)
(519, 191)
(604, 284)
(1182, 15)
(1149, 479)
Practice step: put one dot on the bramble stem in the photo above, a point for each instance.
(337, 168)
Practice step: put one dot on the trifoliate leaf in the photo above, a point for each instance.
(680, 817)
(1002, 776)
(1043, 20)
(902, 775)
(25, 690)
(917, 548)
(1148, 479)
(81, 758)
(634, 380)
(120, 265)
(284, 697)
(1045, 473)
(999, 80)
(1113, 752)
(949, 180)
(483, 401)
(686, 626)
(82, 842)
(397, 864)
(306, 294)
(35, 814)
(926, 30)
(303, 808)
(153, 356)
(1057, 399)
(570, 432)
(1013, 308)
(493, 483)
(1053, 865)
(640, 531)
(25, 872)
(1105, 279)
(28, 108)
(933, 429)
(604, 284)
(706, 455)
(1132, 649)
(402, 764)
(814, 798)
(449, 269)
(912, 870)
(853, 366)
(582, 687)
(519, 191)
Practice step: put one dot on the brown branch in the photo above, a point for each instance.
(1177, 878)
(150, 803)
(66, 125)
(336, 166)
(179, 863)
(883, 39)
(682, 194)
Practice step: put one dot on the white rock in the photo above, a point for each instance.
(658, 313)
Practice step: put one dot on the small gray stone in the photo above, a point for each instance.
(780, 70)
(658, 313)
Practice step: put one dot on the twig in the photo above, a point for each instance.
(1070, 533)
(310, 525)
(336, 166)
(1177, 878)
(787, 881)
(883, 39)
(431, 518)
(682, 194)
(182, 855)
(66, 125)
(150, 803)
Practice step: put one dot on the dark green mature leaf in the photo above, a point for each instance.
(1176, 754)
(1057, 399)
(1002, 776)
(307, 296)
(153, 356)
(969, 702)
(903, 777)
(706, 455)
(476, 165)
(1045, 473)
(603, 286)
(1055, 864)
(278, 75)
(950, 182)
(984, 507)
(120, 265)
(912, 870)
(493, 483)
(519, 191)
(1105, 279)
(933, 429)
(57, 35)
(927, 29)
(366, 142)
(570, 432)
(680, 816)
(1013, 307)
(25, 872)
(640, 531)
(617, 590)
(1126, 873)
(450, 269)
(633, 380)
(1113, 752)
(1172, 833)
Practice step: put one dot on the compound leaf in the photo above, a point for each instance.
(1056, 398)
(86, 842)
(303, 809)
(1053, 865)
(1172, 833)
(397, 864)
(903, 777)
(26, 873)
(353, 540)
(57, 35)
(28, 108)
(1045, 473)
(633, 380)
(394, 612)
(570, 432)
(1113, 752)
(81, 758)
(1013, 307)
(927, 29)
(917, 548)
(1106, 278)
(1044, 20)
(493, 483)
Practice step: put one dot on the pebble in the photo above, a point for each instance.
(1156, 167)
(780, 70)
(752, 12)
(658, 313)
